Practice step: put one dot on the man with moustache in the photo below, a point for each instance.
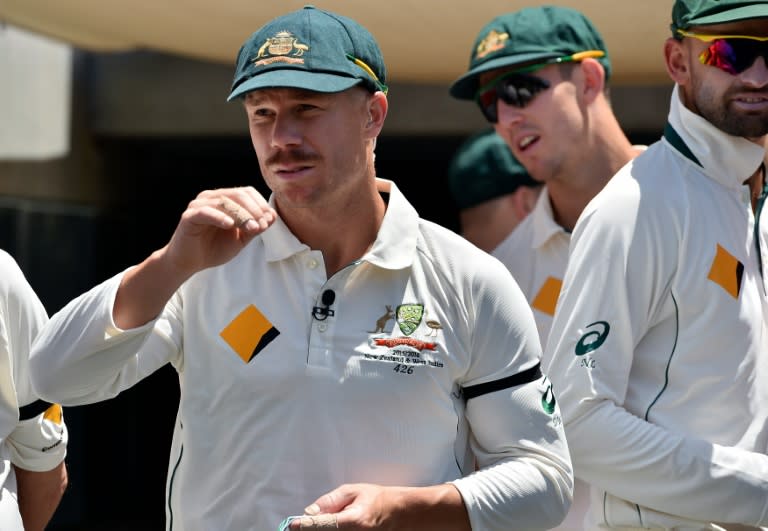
(335, 351)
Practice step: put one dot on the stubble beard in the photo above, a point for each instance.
(719, 112)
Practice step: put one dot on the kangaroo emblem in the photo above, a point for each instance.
(381, 322)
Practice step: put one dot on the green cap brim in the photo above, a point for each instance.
(298, 79)
(466, 86)
(731, 15)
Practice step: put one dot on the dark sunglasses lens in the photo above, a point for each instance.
(487, 103)
(734, 55)
(518, 91)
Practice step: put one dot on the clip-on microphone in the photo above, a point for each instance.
(321, 313)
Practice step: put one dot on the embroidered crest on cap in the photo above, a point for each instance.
(283, 48)
(492, 42)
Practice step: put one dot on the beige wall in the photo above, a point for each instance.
(144, 94)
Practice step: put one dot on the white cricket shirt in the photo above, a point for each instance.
(279, 407)
(658, 348)
(33, 435)
(536, 253)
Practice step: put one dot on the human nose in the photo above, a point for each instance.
(285, 132)
(756, 76)
(508, 115)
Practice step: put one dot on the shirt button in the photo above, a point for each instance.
(312, 264)
(322, 327)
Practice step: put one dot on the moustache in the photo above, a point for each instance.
(748, 91)
(291, 157)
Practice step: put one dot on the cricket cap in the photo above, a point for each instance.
(309, 49)
(687, 13)
(484, 168)
(526, 37)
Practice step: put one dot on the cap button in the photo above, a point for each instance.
(309, 6)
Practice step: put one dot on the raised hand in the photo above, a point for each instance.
(216, 226)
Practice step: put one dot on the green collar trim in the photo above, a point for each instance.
(679, 144)
(758, 212)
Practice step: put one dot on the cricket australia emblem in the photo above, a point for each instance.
(409, 317)
(492, 42)
(283, 47)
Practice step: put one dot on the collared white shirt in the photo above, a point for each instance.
(284, 397)
(536, 253)
(657, 350)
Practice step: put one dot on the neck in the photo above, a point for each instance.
(343, 232)
(486, 225)
(599, 159)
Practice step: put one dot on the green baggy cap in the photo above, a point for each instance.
(687, 13)
(484, 168)
(529, 36)
(309, 49)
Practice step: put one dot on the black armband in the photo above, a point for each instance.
(527, 376)
(34, 409)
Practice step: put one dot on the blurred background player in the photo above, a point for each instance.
(492, 191)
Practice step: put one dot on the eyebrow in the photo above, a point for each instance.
(259, 96)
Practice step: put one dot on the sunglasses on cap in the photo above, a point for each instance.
(731, 53)
(517, 88)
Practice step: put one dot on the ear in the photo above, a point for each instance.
(524, 200)
(376, 113)
(676, 60)
(594, 78)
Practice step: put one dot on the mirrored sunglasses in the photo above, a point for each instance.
(731, 53)
(513, 89)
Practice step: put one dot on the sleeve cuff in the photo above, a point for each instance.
(40, 443)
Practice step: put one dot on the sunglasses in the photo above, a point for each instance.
(517, 88)
(513, 89)
(731, 53)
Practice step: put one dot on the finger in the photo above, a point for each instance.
(239, 214)
(199, 213)
(334, 501)
(259, 207)
(257, 198)
(322, 521)
(247, 199)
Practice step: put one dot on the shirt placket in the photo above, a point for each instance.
(326, 319)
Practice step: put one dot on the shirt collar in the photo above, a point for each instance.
(395, 244)
(543, 221)
(279, 241)
(727, 159)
